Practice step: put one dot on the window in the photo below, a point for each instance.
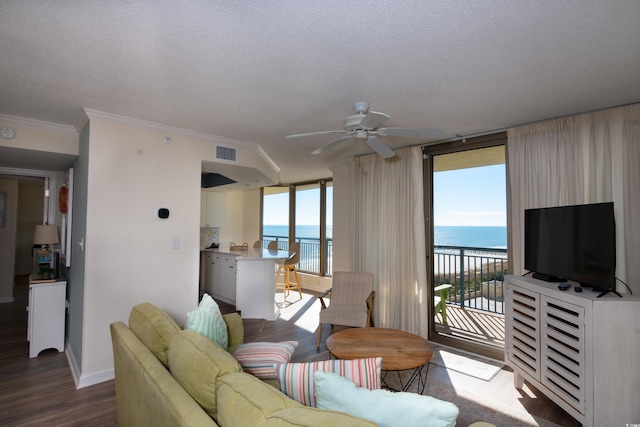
(302, 213)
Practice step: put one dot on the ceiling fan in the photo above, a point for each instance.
(364, 126)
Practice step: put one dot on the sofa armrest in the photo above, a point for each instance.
(146, 393)
(235, 328)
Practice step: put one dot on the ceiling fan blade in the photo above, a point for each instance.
(331, 144)
(380, 147)
(298, 135)
(412, 133)
(373, 119)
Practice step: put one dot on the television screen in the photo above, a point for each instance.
(572, 243)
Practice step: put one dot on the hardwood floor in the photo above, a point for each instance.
(41, 391)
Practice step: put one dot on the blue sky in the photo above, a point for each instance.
(474, 196)
(462, 197)
(276, 209)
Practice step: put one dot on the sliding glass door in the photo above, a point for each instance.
(467, 235)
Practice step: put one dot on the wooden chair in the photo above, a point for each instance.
(289, 266)
(273, 245)
(352, 301)
(440, 297)
(257, 244)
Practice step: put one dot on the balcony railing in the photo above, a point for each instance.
(477, 276)
(309, 253)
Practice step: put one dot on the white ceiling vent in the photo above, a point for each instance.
(225, 153)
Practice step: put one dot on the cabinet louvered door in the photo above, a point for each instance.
(523, 320)
(563, 344)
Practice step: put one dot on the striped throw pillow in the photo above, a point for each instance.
(258, 358)
(296, 379)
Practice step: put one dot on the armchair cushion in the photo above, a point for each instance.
(345, 314)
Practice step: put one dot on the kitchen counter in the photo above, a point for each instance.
(253, 253)
(255, 286)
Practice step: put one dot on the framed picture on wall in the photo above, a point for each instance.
(3, 209)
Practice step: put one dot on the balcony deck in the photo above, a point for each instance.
(472, 324)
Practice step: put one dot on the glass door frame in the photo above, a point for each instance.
(428, 152)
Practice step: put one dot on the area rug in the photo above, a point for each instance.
(465, 363)
(474, 408)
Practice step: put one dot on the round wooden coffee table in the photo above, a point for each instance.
(400, 351)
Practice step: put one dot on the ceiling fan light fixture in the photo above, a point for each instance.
(362, 135)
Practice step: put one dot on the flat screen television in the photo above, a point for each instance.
(575, 243)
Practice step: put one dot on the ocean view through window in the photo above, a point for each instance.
(302, 213)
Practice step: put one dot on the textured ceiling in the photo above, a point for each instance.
(259, 70)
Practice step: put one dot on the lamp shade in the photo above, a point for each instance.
(46, 235)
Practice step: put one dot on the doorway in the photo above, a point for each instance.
(467, 243)
(29, 205)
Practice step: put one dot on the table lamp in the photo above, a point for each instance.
(45, 235)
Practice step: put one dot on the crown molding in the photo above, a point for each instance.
(38, 124)
(90, 114)
(268, 159)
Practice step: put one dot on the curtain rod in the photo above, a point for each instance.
(459, 137)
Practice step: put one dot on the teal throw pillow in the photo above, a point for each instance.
(207, 320)
(388, 409)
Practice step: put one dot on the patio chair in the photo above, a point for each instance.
(440, 297)
(352, 301)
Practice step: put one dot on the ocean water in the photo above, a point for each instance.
(471, 236)
(466, 236)
(302, 231)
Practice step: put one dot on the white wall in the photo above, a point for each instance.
(128, 253)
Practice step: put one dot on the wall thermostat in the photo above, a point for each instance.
(163, 213)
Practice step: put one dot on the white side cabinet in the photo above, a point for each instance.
(46, 324)
(220, 276)
(582, 351)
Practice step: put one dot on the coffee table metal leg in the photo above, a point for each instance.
(417, 374)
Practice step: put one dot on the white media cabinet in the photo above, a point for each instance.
(583, 352)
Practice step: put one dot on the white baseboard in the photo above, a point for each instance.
(82, 381)
(4, 300)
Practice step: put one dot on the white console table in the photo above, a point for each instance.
(582, 351)
(46, 323)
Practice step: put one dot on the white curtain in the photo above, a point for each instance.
(389, 236)
(587, 158)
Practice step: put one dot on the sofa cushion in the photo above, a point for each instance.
(154, 328)
(296, 379)
(259, 358)
(386, 408)
(244, 400)
(207, 320)
(198, 363)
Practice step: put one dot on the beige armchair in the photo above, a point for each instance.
(352, 301)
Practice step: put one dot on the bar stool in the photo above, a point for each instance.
(289, 265)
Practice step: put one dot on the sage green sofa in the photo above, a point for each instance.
(166, 376)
